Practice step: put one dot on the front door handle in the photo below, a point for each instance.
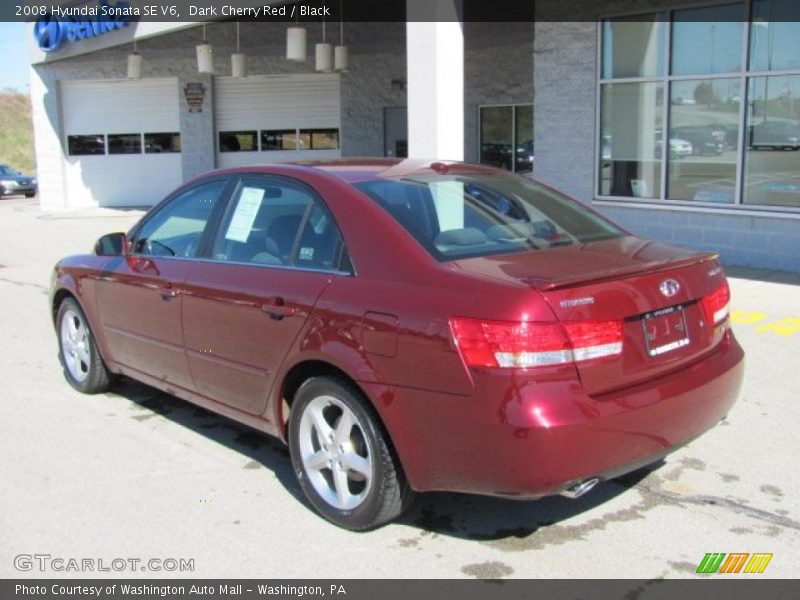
(277, 308)
(168, 292)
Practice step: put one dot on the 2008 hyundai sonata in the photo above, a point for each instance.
(408, 326)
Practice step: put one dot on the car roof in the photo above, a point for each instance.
(361, 169)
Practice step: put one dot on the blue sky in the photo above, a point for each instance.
(14, 50)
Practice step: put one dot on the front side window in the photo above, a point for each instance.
(177, 228)
(278, 223)
(463, 216)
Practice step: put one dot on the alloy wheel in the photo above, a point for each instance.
(75, 345)
(335, 453)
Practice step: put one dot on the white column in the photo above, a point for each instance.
(46, 116)
(435, 64)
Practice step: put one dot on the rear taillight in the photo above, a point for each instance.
(715, 305)
(508, 344)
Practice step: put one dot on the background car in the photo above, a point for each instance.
(678, 148)
(13, 182)
(705, 140)
(408, 327)
(775, 135)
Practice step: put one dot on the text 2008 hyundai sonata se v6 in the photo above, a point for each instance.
(408, 326)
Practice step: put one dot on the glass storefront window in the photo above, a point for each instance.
(703, 137)
(775, 35)
(772, 142)
(523, 160)
(631, 126)
(707, 40)
(506, 137)
(633, 47)
(729, 131)
(497, 130)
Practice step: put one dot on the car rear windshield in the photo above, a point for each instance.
(463, 216)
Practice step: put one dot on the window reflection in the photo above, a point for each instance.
(707, 40)
(633, 47)
(704, 133)
(775, 35)
(772, 160)
(524, 129)
(506, 139)
(497, 130)
(631, 126)
(237, 141)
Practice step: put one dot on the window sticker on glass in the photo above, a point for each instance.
(245, 214)
(448, 199)
(306, 253)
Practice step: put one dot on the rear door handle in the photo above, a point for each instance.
(277, 308)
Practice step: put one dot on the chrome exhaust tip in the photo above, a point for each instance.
(580, 488)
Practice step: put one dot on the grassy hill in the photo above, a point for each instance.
(16, 132)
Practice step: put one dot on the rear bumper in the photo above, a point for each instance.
(519, 437)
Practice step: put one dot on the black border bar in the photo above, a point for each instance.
(371, 10)
(708, 587)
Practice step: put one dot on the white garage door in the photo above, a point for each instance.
(277, 118)
(122, 141)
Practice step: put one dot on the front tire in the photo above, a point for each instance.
(342, 457)
(83, 367)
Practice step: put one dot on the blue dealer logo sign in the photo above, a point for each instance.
(51, 31)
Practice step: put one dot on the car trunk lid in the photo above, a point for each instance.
(655, 290)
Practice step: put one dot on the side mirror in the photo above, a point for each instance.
(112, 244)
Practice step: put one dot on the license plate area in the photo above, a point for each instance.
(665, 330)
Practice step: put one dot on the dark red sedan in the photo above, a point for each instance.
(408, 326)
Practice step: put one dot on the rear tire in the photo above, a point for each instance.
(83, 367)
(342, 457)
(29, 195)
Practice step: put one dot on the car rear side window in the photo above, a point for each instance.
(280, 224)
(460, 216)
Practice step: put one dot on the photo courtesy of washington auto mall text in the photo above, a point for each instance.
(176, 590)
(399, 299)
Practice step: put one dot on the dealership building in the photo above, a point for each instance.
(680, 120)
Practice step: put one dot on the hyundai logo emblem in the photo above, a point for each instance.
(669, 287)
(48, 33)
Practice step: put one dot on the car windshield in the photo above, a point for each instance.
(5, 170)
(462, 216)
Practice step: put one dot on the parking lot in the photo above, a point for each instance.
(138, 474)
